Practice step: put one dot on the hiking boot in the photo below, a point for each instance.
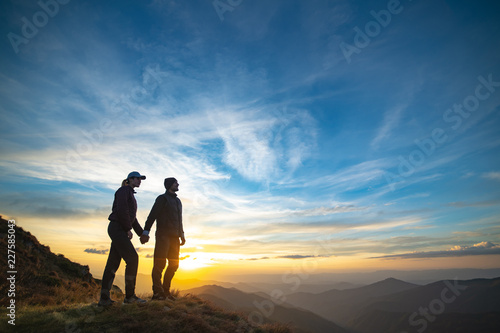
(159, 297)
(133, 299)
(105, 298)
(105, 302)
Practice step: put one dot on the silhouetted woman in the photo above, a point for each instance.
(122, 220)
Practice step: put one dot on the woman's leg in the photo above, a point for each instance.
(125, 249)
(108, 277)
(112, 265)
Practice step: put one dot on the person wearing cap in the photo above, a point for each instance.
(122, 221)
(167, 212)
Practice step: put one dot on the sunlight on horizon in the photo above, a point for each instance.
(197, 263)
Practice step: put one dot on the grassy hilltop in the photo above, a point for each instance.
(186, 314)
(54, 294)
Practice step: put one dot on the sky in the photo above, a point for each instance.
(318, 136)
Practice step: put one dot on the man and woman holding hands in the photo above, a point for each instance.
(167, 212)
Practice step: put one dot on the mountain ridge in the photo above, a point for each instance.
(272, 308)
(449, 305)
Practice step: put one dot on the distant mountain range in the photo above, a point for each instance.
(144, 284)
(360, 278)
(387, 306)
(443, 306)
(261, 308)
(339, 305)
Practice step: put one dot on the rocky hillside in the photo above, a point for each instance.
(44, 278)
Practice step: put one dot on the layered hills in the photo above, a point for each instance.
(266, 309)
(387, 306)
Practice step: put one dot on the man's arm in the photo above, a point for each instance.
(137, 228)
(153, 215)
(181, 227)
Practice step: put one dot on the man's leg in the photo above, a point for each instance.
(159, 262)
(173, 263)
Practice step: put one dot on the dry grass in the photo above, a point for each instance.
(187, 314)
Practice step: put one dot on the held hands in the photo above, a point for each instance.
(144, 239)
(129, 234)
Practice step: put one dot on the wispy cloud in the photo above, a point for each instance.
(391, 121)
(254, 259)
(265, 146)
(492, 175)
(290, 256)
(483, 248)
(353, 177)
(462, 204)
(299, 256)
(96, 251)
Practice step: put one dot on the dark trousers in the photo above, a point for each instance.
(121, 248)
(165, 248)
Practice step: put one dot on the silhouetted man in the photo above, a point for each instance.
(167, 211)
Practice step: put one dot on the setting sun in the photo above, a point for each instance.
(194, 261)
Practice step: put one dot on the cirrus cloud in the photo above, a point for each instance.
(483, 248)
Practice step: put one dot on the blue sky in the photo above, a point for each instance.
(355, 132)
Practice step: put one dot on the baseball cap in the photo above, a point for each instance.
(136, 175)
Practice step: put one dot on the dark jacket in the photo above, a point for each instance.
(167, 211)
(124, 209)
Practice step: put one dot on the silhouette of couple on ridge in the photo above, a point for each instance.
(167, 212)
